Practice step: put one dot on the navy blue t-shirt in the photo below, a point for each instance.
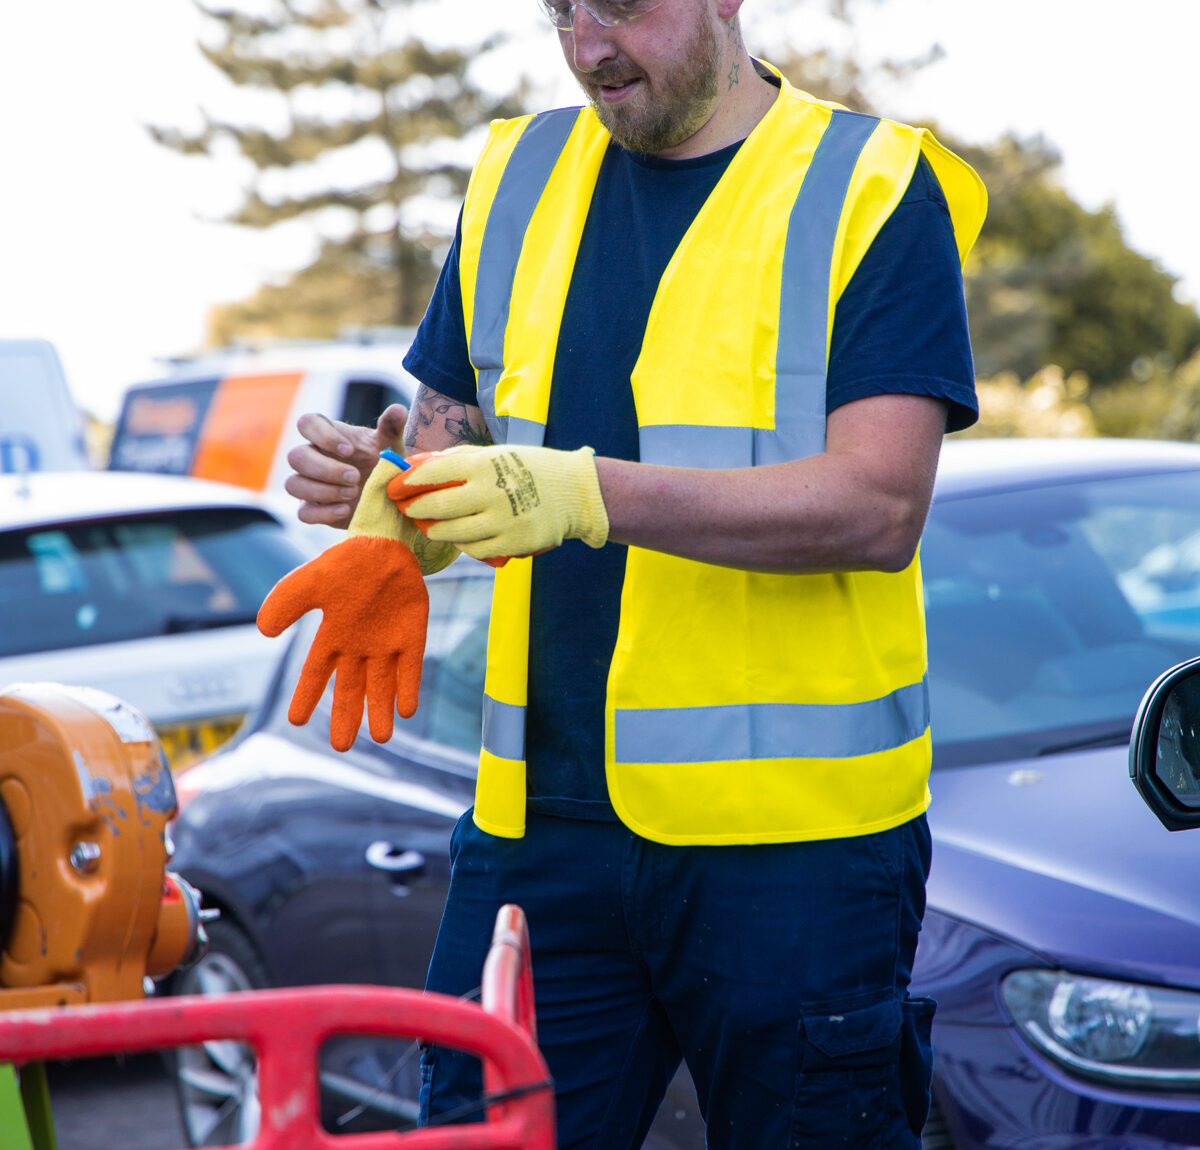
(899, 327)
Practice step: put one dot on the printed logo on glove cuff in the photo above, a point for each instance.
(517, 482)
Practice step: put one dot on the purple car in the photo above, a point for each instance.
(1062, 939)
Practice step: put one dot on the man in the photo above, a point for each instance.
(706, 746)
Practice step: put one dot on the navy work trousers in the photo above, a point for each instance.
(779, 973)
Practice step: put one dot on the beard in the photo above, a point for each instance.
(667, 110)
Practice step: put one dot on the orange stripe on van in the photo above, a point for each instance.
(242, 429)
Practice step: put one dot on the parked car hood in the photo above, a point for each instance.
(194, 675)
(1060, 854)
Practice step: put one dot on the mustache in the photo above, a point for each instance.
(611, 75)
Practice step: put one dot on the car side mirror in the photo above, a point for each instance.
(1164, 751)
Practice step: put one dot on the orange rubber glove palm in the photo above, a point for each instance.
(375, 610)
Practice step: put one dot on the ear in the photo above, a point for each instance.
(728, 9)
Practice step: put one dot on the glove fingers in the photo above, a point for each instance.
(349, 691)
(473, 537)
(381, 697)
(402, 493)
(433, 471)
(407, 680)
(318, 666)
(461, 529)
(446, 502)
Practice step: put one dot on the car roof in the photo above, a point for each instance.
(55, 497)
(972, 466)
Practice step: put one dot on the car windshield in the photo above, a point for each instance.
(1050, 610)
(103, 581)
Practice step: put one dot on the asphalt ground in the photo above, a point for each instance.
(114, 1104)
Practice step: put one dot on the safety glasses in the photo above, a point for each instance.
(610, 13)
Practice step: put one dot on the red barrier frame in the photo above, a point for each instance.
(286, 1028)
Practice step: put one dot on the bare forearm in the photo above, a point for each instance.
(758, 519)
(861, 505)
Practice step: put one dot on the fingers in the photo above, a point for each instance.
(469, 533)
(389, 430)
(330, 437)
(329, 503)
(487, 550)
(381, 697)
(327, 486)
(331, 466)
(349, 691)
(291, 597)
(318, 666)
(407, 678)
(327, 514)
(450, 502)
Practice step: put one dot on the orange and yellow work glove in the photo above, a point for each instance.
(504, 500)
(370, 589)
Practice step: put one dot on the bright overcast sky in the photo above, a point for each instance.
(108, 249)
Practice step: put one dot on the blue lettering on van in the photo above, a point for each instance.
(18, 454)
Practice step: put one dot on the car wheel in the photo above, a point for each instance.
(217, 1082)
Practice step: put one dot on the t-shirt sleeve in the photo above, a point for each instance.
(438, 356)
(900, 326)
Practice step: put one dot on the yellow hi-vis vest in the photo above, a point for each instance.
(741, 707)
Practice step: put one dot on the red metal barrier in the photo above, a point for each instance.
(287, 1028)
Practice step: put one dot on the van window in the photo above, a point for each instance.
(367, 399)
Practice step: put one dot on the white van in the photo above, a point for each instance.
(41, 429)
(230, 415)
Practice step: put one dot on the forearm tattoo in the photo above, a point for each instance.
(436, 417)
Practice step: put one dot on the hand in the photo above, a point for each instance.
(504, 500)
(372, 635)
(330, 469)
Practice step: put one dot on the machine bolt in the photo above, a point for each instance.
(85, 857)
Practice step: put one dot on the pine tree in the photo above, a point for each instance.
(360, 90)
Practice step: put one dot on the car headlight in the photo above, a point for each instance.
(1121, 1032)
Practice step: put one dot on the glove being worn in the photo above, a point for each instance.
(504, 500)
(375, 610)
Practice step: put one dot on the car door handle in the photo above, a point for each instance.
(387, 856)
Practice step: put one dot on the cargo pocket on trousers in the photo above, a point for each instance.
(916, 1060)
(846, 1092)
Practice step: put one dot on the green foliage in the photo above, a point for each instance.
(1051, 282)
(1156, 401)
(1049, 404)
(1048, 282)
(344, 78)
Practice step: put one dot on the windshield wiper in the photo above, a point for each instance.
(1113, 737)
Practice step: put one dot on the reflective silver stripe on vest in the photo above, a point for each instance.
(511, 429)
(521, 186)
(749, 731)
(800, 358)
(503, 729)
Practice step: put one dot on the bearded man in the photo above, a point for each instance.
(696, 346)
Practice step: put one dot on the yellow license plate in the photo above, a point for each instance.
(185, 743)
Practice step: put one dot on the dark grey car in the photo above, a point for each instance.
(333, 868)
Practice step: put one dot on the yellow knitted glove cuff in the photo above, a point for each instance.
(376, 514)
(589, 516)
